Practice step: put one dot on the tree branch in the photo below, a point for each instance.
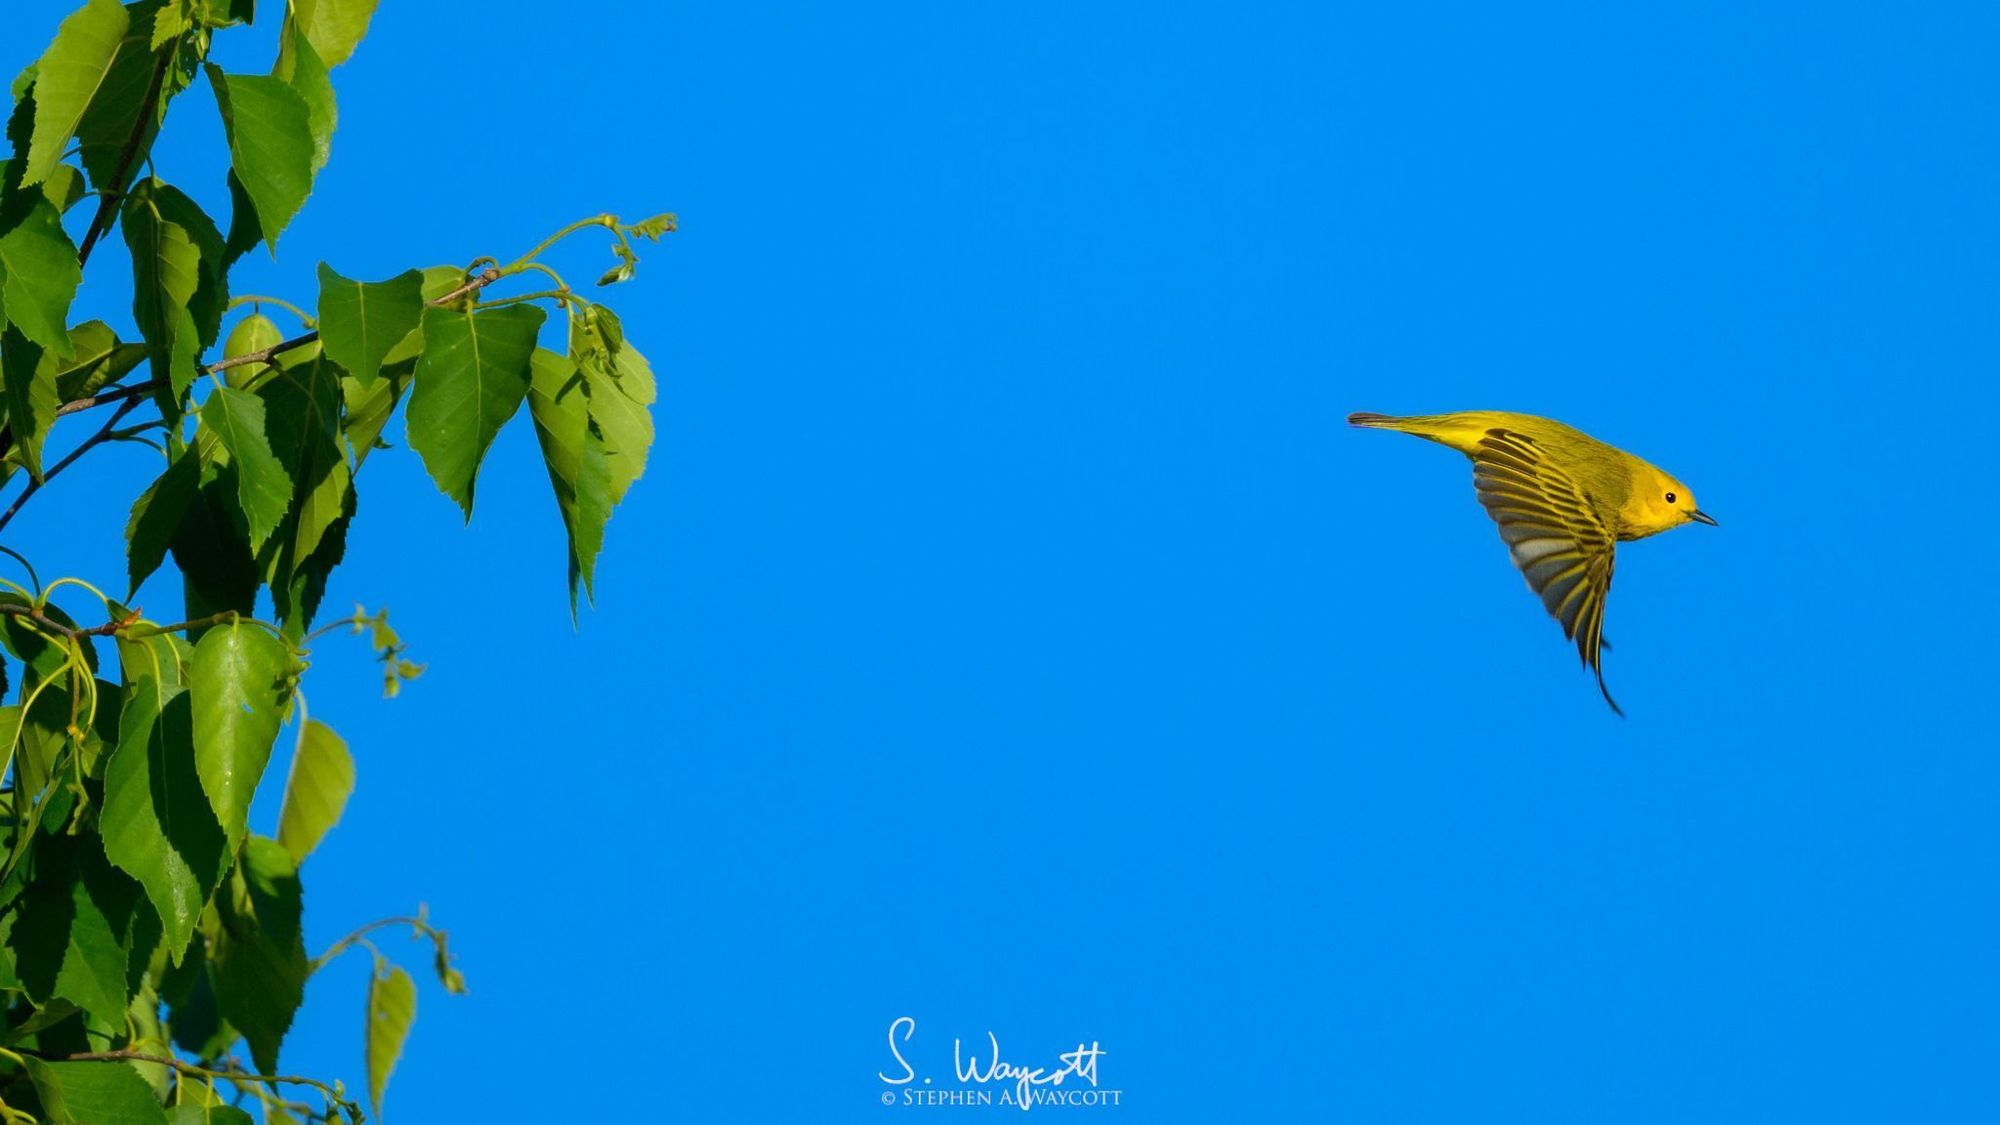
(264, 355)
(129, 395)
(108, 396)
(35, 486)
(333, 1096)
(125, 626)
(128, 158)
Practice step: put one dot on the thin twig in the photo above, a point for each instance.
(423, 928)
(264, 355)
(239, 1077)
(35, 486)
(130, 626)
(114, 394)
(129, 395)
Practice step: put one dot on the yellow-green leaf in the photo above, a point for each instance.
(322, 777)
(573, 450)
(392, 1008)
(68, 76)
(335, 27)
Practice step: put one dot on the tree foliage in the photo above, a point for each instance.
(150, 931)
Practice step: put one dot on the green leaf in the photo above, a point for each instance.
(240, 681)
(161, 657)
(335, 27)
(656, 226)
(171, 20)
(31, 397)
(68, 76)
(369, 407)
(42, 657)
(108, 125)
(300, 67)
(96, 360)
(574, 452)
(270, 144)
(211, 295)
(260, 958)
(223, 13)
(93, 1093)
(621, 388)
(322, 777)
(264, 489)
(197, 1022)
(360, 322)
(157, 515)
(392, 1008)
(38, 263)
(64, 188)
(72, 937)
(244, 233)
(212, 549)
(296, 591)
(167, 273)
(302, 402)
(157, 823)
(470, 380)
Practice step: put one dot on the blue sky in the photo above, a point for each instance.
(1009, 634)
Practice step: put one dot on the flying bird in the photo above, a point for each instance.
(1563, 501)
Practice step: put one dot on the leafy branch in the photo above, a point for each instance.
(133, 748)
(334, 1095)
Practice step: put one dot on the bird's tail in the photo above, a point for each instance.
(1459, 431)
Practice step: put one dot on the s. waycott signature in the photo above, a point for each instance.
(1025, 1080)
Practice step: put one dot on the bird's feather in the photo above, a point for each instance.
(1558, 539)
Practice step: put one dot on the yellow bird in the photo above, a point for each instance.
(1563, 500)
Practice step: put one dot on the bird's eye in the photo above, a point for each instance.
(1670, 497)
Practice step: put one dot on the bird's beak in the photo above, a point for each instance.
(1702, 517)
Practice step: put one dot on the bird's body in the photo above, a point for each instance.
(1562, 500)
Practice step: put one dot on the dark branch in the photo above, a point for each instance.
(97, 438)
(115, 394)
(265, 355)
(124, 625)
(128, 158)
(129, 396)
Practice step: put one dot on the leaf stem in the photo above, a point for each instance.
(560, 296)
(305, 317)
(607, 221)
(359, 936)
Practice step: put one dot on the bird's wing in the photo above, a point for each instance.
(1555, 535)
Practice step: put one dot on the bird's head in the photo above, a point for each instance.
(1660, 503)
